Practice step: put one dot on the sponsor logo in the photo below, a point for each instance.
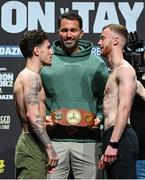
(6, 97)
(6, 79)
(2, 166)
(96, 50)
(5, 122)
(3, 69)
(6, 85)
(10, 51)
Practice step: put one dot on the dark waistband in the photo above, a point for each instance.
(110, 129)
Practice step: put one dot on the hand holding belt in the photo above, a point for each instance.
(73, 117)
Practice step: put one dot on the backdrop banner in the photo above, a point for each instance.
(16, 17)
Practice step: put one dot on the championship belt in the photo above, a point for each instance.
(73, 117)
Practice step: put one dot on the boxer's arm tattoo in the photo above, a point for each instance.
(38, 126)
(40, 131)
(32, 96)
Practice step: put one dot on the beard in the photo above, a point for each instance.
(105, 51)
(70, 44)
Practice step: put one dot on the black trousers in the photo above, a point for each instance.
(124, 167)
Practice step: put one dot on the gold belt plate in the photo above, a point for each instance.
(73, 117)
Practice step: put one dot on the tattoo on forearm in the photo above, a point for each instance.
(32, 96)
(40, 131)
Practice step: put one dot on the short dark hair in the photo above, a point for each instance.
(71, 16)
(30, 40)
(118, 28)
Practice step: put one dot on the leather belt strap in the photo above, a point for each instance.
(73, 117)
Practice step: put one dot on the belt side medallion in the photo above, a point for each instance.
(57, 115)
(89, 117)
(73, 117)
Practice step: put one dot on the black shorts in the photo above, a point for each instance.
(124, 167)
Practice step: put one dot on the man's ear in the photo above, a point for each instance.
(81, 34)
(116, 40)
(36, 50)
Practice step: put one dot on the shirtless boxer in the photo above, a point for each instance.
(34, 155)
(120, 141)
